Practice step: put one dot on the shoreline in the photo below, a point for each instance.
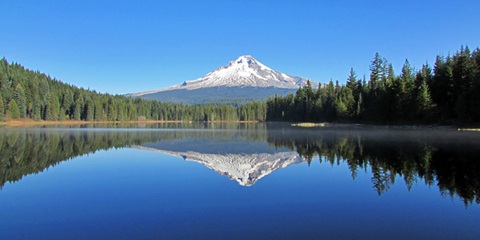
(31, 123)
(389, 126)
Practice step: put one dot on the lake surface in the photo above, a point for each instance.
(238, 181)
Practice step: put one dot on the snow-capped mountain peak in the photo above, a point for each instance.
(245, 71)
(247, 61)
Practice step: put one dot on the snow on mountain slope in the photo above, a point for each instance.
(245, 71)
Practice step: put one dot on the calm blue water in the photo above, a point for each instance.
(229, 184)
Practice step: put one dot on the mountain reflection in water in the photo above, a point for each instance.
(244, 168)
(247, 152)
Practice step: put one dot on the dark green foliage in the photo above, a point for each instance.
(25, 151)
(89, 111)
(330, 102)
(13, 111)
(422, 99)
(253, 111)
(378, 70)
(451, 163)
(450, 95)
(465, 80)
(19, 96)
(37, 96)
(2, 109)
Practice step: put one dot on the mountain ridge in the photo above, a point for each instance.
(244, 72)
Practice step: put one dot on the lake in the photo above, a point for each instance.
(238, 181)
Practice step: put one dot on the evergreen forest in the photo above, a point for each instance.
(448, 93)
(35, 95)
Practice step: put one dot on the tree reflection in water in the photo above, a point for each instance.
(446, 158)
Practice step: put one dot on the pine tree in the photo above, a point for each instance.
(44, 97)
(89, 110)
(352, 80)
(61, 114)
(36, 107)
(406, 77)
(442, 87)
(405, 101)
(2, 109)
(13, 110)
(340, 109)
(422, 98)
(67, 102)
(52, 109)
(120, 112)
(99, 113)
(377, 71)
(376, 87)
(77, 111)
(19, 97)
(463, 74)
(5, 90)
(390, 76)
(475, 100)
(358, 111)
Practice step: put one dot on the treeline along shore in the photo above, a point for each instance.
(27, 94)
(448, 93)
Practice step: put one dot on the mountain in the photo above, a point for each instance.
(242, 80)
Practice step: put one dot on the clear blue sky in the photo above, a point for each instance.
(131, 46)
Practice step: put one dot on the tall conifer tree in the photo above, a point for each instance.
(422, 97)
(19, 96)
(13, 110)
(352, 80)
(2, 109)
